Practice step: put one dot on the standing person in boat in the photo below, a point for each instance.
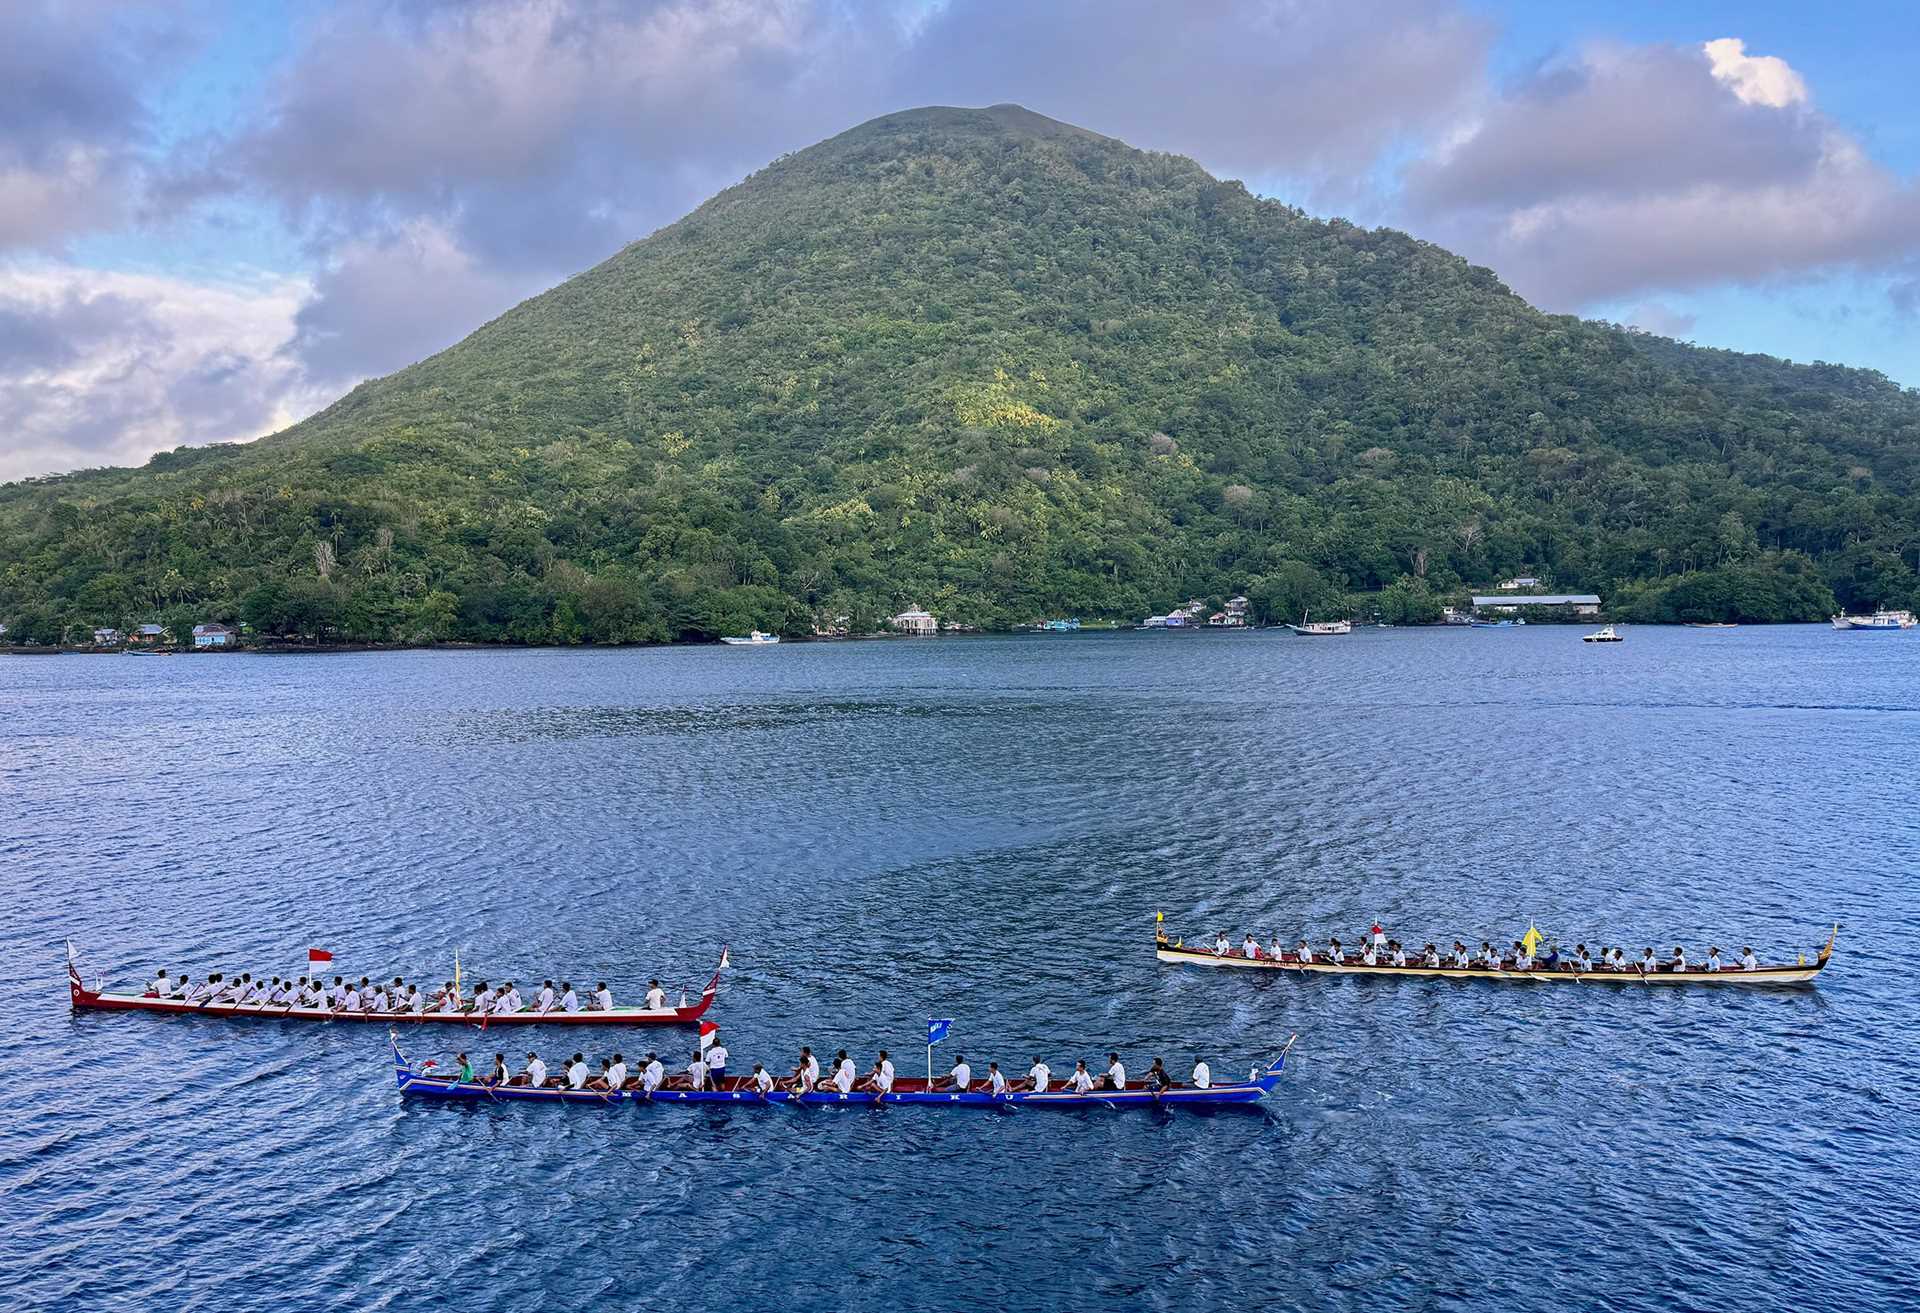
(717, 1056)
(603, 998)
(962, 1075)
(1748, 962)
(806, 1073)
(1037, 1077)
(656, 997)
(1081, 1082)
(1116, 1076)
(880, 1079)
(569, 1001)
(1202, 1074)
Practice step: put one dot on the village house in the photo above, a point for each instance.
(147, 636)
(1573, 603)
(106, 638)
(1519, 581)
(213, 635)
(917, 622)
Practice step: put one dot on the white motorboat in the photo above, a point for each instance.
(1607, 635)
(754, 639)
(1882, 621)
(1321, 628)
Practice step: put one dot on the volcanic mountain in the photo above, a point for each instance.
(1002, 368)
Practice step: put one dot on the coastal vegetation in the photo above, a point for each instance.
(1002, 368)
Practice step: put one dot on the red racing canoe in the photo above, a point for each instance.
(98, 999)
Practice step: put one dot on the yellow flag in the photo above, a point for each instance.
(1531, 940)
(456, 972)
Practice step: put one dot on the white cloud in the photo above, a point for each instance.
(104, 368)
(1756, 79)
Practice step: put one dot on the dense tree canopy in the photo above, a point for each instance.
(1004, 369)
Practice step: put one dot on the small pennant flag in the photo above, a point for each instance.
(937, 1028)
(724, 963)
(709, 1033)
(318, 955)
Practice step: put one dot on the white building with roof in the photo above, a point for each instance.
(1573, 603)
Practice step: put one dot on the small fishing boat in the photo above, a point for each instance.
(1711, 624)
(1321, 628)
(753, 639)
(101, 1000)
(1607, 635)
(1880, 622)
(1785, 974)
(1494, 624)
(423, 1081)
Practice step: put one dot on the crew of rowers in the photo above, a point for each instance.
(708, 1071)
(397, 999)
(1377, 950)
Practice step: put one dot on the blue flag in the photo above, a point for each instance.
(937, 1028)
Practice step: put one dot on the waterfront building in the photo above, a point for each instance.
(917, 622)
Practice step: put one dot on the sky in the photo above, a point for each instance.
(217, 217)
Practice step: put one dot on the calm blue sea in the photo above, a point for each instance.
(979, 829)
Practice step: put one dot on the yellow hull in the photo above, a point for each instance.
(1800, 974)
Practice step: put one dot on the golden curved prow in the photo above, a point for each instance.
(1832, 935)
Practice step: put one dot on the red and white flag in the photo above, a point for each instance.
(315, 955)
(709, 1032)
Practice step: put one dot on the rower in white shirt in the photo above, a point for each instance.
(1399, 954)
(1250, 947)
(879, 1078)
(380, 1003)
(544, 1004)
(996, 1082)
(351, 1003)
(569, 1001)
(577, 1072)
(656, 996)
(1202, 1075)
(534, 1074)
(416, 1001)
(1713, 959)
(449, 999)
(1273, 949)
(1679, 960)
(617, 1073)
(961, 1076)
(1646, 964)
(653, 1075)
(1116, 1077)
(1303, 952)
(1038, 1075)
(280, 993)
(1335, 953)
(160, 986)
(843, 1072)
(1080, 1082)
(807, 1073)
(1220, 945)
(1368, 957)
(762, 1080)
(1748, 962)
(603, 998)
(483, 997)
(508, 1002)
(697, 1072)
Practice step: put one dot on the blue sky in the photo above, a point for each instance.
(216, 217)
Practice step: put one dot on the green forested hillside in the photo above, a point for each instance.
(1002, 368)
